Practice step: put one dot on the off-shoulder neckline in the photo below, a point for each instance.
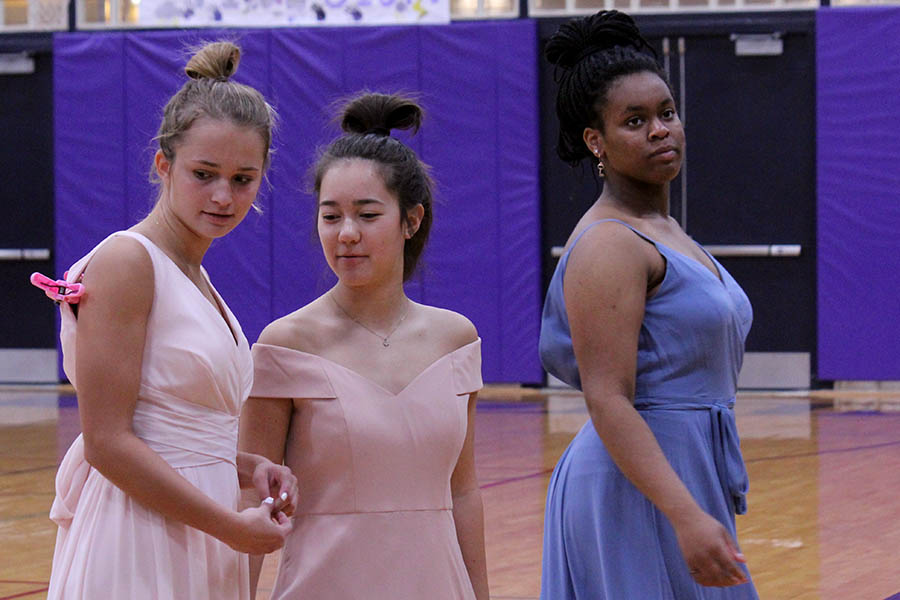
(374, 383)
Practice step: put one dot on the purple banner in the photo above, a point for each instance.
(478, 84)
(858, 69)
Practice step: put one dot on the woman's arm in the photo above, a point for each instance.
(605, 289)
(263, 432)
(112, 324)
(468, 510)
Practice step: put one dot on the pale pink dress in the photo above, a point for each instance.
(375, 518)
(194, 378)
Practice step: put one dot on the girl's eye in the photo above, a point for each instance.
(369, 215)
(243, 179)
(634, 121)
(202, 175)
(329, 217)
(669, 113)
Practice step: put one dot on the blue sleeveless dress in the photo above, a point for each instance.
(603, 539)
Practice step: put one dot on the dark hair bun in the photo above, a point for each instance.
(380, 113)
(215, 60)
(580, 38)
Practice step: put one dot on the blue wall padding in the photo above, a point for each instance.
(478, 84)
(858, 100)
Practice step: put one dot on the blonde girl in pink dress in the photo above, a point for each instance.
(368, 396)
(147, 496)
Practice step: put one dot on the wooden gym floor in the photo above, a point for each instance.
(823, 522)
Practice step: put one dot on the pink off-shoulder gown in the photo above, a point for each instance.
(375, 518)
(196, 372)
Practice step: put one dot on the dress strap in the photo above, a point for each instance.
(73, 275)
(143, 239)
(620, 222)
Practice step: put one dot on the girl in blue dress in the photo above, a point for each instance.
(651, 328)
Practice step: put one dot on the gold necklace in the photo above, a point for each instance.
(385, 339)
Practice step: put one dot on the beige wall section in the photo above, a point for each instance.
(28, 365)
(775, 371)
(761, 370)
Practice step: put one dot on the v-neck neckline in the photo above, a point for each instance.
(371, 381)
(718, 273)
(220, 307)
(222, 313)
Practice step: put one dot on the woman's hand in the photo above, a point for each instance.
(711, 554)
(276, 482)
(257, 530)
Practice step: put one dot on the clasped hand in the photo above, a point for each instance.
(263, 529)
(278, 483)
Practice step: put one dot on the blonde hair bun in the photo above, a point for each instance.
(215, 60)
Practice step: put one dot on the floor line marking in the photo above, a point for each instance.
(509, 480)
(820, 452)
(31, 470)
(23, 594)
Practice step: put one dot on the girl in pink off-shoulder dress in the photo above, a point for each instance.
(368, 396)
(147, 496)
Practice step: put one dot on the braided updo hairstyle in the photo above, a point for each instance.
(209, 92)
(590, 53)
(367, 121)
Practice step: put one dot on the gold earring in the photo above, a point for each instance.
(599, 163)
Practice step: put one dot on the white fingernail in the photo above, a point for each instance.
(269, 500)
(284, 495)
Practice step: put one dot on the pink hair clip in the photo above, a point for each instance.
(58, 290)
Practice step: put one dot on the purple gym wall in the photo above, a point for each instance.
(478, 84)
(858, 103)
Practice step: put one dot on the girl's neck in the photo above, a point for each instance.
(166, 231)
(379, 306)
(636, 198)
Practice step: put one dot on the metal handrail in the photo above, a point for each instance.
(19, 254)
(731, 250)
(774, 250)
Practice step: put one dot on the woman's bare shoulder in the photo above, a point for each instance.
(301, 330)
(119, 255)
(450, 328)
(609, 247)
(119, 273)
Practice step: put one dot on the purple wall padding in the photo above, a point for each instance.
(90, 170)
(478, 83)
(858, 63)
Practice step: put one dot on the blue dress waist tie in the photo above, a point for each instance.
(726, 444)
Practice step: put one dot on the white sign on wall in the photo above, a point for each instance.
(273, 13)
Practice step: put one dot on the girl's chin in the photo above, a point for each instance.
(212, 232)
